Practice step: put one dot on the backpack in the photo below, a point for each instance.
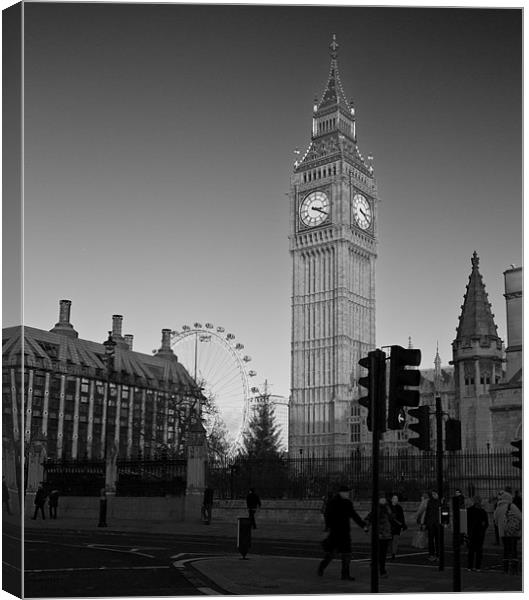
(513, 524)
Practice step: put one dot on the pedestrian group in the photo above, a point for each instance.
(338, 511)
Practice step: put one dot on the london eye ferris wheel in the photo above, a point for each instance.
(218, 363)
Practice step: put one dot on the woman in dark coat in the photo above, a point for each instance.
(386, 521)
(477, 523)
(398, 525)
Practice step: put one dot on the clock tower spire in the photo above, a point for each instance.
(333, 238)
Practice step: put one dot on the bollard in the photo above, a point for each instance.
(102, 508)
(244, 535)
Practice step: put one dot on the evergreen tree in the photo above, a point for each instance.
(217, 433)
(261, 440)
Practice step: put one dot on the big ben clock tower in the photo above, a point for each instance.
(333, 240)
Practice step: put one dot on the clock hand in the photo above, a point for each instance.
(319, 210)
(363, 213)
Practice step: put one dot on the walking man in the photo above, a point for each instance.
(253, 502)
(477, 523)
(207, 506)
(429, 515)
(40, 500)
(53, 503)
(339, 512)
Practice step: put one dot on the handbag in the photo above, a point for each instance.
(513, 524)
(420, 539)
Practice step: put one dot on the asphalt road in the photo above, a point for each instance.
(70, 563)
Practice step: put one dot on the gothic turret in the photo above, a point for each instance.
(476, 320)
(477, 358)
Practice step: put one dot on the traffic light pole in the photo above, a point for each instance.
(374, 374)
(456, 542)
(439, 457)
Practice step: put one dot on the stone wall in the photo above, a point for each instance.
(172, 508)
(127, 508)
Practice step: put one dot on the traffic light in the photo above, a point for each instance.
(422, 427)
(517, 454)
(399, 379)
(453, 434)
(375, 384)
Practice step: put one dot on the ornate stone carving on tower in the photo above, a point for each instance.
(333, 240)
(477, 358)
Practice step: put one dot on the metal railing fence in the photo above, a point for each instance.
(136, 477)
(408, 475)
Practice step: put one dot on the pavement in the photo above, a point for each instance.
(271, 575)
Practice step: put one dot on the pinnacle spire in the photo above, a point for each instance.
(333, 47)
(437, 370)
(333, 93)
(476, 318)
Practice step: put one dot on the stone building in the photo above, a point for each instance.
(507, 395)
(333, 245)
(75, 394)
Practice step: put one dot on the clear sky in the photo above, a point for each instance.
(159, 146)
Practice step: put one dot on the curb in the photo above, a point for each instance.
(198, 580)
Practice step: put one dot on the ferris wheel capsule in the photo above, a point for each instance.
(209, 326)
(220, 329)
(185, 328)
(230, 336)
(255, 390)
(197, 325)
(239, 346)
(252, 373)
(247, 358)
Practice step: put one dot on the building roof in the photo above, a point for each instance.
(53, 350)
(476, 319)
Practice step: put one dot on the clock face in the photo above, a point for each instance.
(362, 211)
(314, 209)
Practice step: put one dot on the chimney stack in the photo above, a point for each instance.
(129, 339)
(166, 339)
(64, 327)
(117, 321)
(166, 351)
(64, 311)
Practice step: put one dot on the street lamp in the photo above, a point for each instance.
(110, 350)
(110, 346)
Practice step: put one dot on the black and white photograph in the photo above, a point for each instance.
(262, 299)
